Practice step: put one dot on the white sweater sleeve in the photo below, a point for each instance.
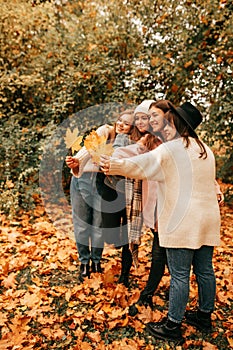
(144, 166)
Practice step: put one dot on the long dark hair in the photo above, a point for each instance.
(152, 141)
(185, 131)
(161, 104)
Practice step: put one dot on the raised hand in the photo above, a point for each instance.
(72, 162)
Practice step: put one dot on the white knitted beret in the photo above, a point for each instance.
(143, 107)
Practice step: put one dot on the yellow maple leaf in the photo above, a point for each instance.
(76, 146)
(72, 141)
(71, 137)
(96, 145)
(93, 140)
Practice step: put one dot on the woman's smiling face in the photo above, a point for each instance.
(124, 123)
(141, 121)
(170, 131)
(156, 119)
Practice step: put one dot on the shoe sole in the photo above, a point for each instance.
(179, 341)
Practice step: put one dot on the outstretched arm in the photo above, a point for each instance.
(144, 166)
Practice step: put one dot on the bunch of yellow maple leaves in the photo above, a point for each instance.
(94, 143)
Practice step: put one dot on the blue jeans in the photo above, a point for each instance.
(180, 261)
(85, 193)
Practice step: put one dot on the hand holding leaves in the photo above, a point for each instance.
(105, 164)
(96, 146)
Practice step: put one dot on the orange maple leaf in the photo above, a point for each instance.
(58, 334)
(30, 300)
(109, 277)
(145, 314)
(47, 332)
(10, 281)
(94, 283)
(76, 146)
(86, 346)
(6, 343)
(230, 341)
(113, 324)
(158, 301)
(79, 333)
(96, 145)
(116, 313)
(3, 318)
(209, 346)
(137, 325)
(94, 336)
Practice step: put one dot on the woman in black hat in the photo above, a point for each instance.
(188, 216)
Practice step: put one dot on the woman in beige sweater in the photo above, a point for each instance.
(188, 216)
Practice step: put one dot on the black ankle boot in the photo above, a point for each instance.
(126, 263)
(200, 320)
(96, 267)
(145, 300)
(84, 272)
(166, 330)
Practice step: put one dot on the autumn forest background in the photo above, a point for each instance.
(77, 61)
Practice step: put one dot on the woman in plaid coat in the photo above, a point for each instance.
(122, 200)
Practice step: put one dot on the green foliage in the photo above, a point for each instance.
(59, 57)
(192, 60)
(20, 153)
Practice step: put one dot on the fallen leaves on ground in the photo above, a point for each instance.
(43, 305)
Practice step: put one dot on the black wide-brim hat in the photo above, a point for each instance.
(189, 113)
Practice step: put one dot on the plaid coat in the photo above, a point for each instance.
(133, 198)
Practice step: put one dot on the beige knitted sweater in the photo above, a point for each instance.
(188, 211)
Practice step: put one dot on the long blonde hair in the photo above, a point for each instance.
(134, 133)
